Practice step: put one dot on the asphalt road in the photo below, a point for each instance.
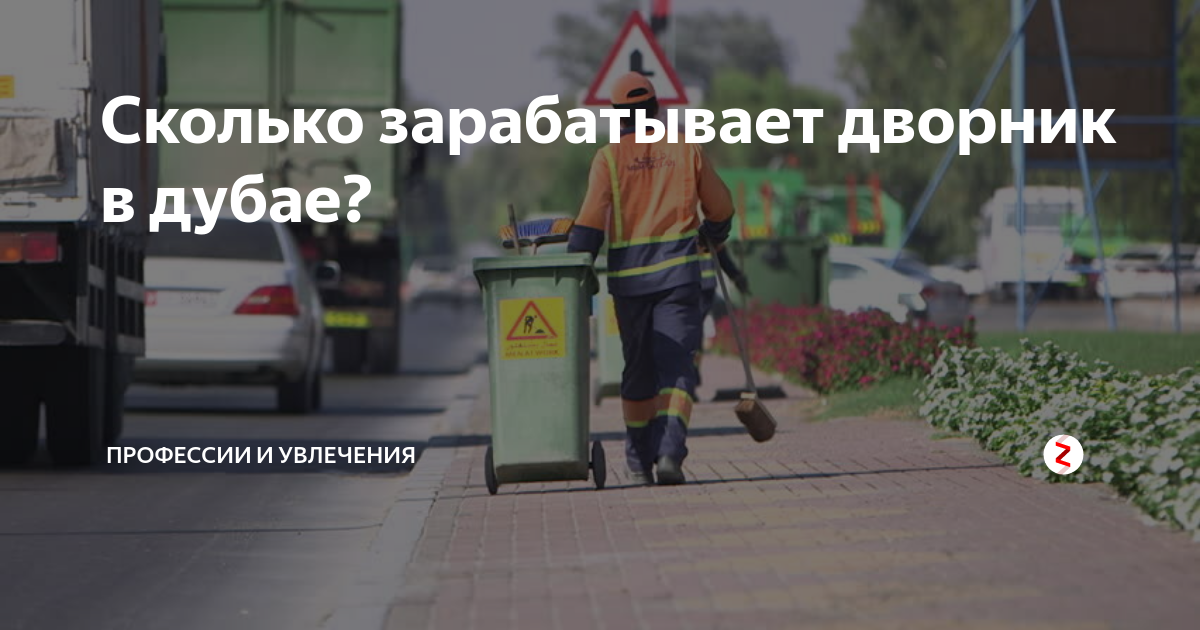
(226, 546)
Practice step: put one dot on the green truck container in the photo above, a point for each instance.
(283, 56)
(539, 361)
(781, 202)
(786, 270)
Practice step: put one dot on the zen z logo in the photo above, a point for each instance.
(1066, 449)
(1063, 454)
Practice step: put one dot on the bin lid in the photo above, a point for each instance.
(504, 263)
(581, 262)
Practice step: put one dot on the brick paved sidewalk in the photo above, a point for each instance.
(859, 523)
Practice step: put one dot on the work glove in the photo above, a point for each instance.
(715, 234)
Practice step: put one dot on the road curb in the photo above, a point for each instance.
(368, 601)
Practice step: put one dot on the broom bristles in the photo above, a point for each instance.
(539, 230)
(757, 419)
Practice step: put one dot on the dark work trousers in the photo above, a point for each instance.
(708, 297)
(660, 335)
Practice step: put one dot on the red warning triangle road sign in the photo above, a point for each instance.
(532, 325)
(637, 50)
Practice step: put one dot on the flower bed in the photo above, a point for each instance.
(829, 350)
(1141, 434)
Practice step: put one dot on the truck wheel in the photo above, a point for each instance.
(19, 430)
(298, 396)
(383, 352)
(75, 407)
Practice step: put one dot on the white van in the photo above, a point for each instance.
(1048, 256)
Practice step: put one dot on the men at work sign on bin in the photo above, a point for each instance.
(643, 197)
(532, 329)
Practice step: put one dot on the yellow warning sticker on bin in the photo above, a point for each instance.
(533, 329)
(8, 88)
(610, 308)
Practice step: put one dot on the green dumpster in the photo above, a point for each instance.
(537, 317)
(786, 270)
(607, 338)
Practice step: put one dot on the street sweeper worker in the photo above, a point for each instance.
(643, 198)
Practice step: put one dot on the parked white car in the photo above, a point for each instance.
(234, 306)
(436, 279)
(1149, 271)
(965, 274)
(858, 283)
(946, 304)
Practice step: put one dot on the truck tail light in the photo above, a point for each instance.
(271, 300)
(928, 293)
(41, 247)
(10, 247)
(33, 247)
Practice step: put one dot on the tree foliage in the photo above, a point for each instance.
(931, 54)
(925, 54)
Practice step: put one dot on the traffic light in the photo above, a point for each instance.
(659, 12)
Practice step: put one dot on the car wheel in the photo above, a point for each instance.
(317, 400)
(116, 382)
(297, 397)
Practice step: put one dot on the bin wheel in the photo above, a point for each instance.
(489, 473)
(599, 465)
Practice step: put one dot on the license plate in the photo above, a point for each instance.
(181, 299)
(341, 319)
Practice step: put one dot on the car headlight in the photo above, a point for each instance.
(913, 301)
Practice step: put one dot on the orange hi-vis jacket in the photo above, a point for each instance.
(643, 196)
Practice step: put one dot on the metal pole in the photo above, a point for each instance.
(988, 82)
(1062, 258)
(672, 29)
(1176, 158)
(1176, 194)
(1089, 198)
(1017, 67)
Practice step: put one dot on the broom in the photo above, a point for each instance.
(753, 415)
(535, 233)
(767, 391)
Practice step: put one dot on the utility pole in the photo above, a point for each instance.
(1017, 66)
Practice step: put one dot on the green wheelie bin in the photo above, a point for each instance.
(538, 309)
(786, 270)
(610, 359)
